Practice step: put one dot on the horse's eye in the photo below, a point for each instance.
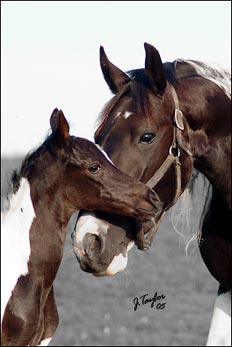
(94, 168)
(147, 138)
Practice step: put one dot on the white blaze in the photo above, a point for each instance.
(220, 329)
(88, 223)
(15, 242)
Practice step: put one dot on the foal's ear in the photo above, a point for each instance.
(59, 124)
(154, 69)
(114, 77)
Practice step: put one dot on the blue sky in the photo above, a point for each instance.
(50, 55)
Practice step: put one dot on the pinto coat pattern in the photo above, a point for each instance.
(64, 174)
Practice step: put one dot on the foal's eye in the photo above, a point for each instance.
(94, 168)
(147, 138)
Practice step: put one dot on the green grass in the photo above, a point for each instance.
(100, 311)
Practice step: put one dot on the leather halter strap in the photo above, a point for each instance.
(144, 237)
(174, 153)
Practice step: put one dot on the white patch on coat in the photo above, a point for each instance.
(118, 264)
(88, 223)
(15, 242)
(220, 328)
(127, 114)
(222, 78)
(45, 342)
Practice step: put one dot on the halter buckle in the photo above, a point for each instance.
(172, 151)
(178, 118)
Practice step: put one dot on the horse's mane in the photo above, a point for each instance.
(188, 213)
(29, 161)
(183, 68)
(140, 76)
(178, 69)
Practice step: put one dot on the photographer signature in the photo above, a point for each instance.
(156, 301)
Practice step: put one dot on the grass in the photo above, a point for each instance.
(100, 311)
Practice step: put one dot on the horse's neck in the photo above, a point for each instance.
(208, 116)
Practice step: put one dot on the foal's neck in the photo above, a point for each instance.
(52, 209)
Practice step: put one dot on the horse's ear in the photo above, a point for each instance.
(114, 77)
(154, 69)
(59, 124)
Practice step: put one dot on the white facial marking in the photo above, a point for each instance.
(118, 264)
(220, 328)
(85, 224)
(15, 245)
(88, 223)
(45, 342)
(127, 114)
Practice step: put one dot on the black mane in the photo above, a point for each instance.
(140, 76)
(29, 161)
(181, 68)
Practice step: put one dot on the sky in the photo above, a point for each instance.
(50, 56)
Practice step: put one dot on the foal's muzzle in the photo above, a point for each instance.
(146, 210)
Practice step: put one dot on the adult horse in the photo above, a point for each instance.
(64, 174)
(163, 121)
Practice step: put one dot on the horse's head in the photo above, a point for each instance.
(89, 180)
(144, 132)
(140, 126)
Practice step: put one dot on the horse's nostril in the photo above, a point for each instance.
(92, 245)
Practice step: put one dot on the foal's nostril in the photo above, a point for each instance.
(93, 245)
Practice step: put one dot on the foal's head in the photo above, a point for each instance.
(75, 173)
(68, 173)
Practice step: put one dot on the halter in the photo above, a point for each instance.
(172, 158)
(174, 152)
